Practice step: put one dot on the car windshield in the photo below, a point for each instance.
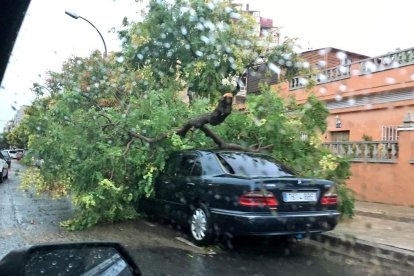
(253, 165)
(290, 127)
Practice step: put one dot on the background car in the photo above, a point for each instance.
(12, 153)
(4, 169)
(6, 157)
(238, 193)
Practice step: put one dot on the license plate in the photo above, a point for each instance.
(299, 197)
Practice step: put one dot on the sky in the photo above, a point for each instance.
(48, 36)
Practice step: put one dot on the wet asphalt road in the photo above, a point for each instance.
(26, 220)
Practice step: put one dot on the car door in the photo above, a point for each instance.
(177, 188)
(4, 166)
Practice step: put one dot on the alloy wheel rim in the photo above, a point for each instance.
(199, 224)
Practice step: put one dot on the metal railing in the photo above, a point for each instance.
(366, 151)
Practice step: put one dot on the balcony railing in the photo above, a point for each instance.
(324, 76)
(387, 61)
(366, 151)
(361, 67)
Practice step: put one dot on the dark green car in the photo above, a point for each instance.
(238, 193)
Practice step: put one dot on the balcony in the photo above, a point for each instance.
(366, 151)
(362, 67)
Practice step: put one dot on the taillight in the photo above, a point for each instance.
(258, 198)
(330, 197)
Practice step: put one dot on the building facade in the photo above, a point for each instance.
(371, 121)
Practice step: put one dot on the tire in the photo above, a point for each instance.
(201, 229)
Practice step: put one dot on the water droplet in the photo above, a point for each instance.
(184, 31)
(54, 263)
(342, 88)
(200, 27)
(390, 80)
(338, 97)
(303, 81)
(274, 68)
(341, 55)
(368, 106)
(322, 90)
(199, 53)
(210, 25)
(205, 39)
(322, 77)
(351, 101)
(120, 59)
(343, 69)
(235, 15)
(184, 9)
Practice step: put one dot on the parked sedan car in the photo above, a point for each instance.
(4, 169)
(239, 193)
(6, 157)
(12, 153)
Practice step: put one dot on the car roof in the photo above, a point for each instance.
(215, 151)
(12, 13)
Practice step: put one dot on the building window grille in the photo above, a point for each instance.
(389, 133)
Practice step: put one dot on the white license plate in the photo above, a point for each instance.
(299, 197)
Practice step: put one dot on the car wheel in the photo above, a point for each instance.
(201, 226)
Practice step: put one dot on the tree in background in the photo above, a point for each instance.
(105, 126)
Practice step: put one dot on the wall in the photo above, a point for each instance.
(391, 183)
(367, 121)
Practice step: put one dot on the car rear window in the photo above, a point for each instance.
(12, 151)
(252, 165)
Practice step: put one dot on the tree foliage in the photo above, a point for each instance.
(104, 127)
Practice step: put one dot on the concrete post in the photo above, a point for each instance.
(406, 140)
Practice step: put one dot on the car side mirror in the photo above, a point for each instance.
(85, 258)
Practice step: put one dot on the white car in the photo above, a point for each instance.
(4, 169)
(12, 153)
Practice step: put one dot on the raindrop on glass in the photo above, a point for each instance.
(390, 80)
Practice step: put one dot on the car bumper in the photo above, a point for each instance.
(277, 224)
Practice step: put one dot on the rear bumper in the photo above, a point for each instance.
(277, 224)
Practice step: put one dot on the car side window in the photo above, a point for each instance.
(197, 169)
(171, 167)
(190, 166)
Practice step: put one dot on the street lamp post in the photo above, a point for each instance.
(75, 16)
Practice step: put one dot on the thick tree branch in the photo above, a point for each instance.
(216, 117)
(230, 146)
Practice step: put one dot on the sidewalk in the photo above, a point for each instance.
(384, 231)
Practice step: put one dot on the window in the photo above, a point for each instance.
(389, 133)
(340, 136)
(252, 165)
(190, 166)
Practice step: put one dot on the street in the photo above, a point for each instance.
(160, 249)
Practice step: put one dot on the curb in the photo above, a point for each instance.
(382, 215)
(348, 245)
